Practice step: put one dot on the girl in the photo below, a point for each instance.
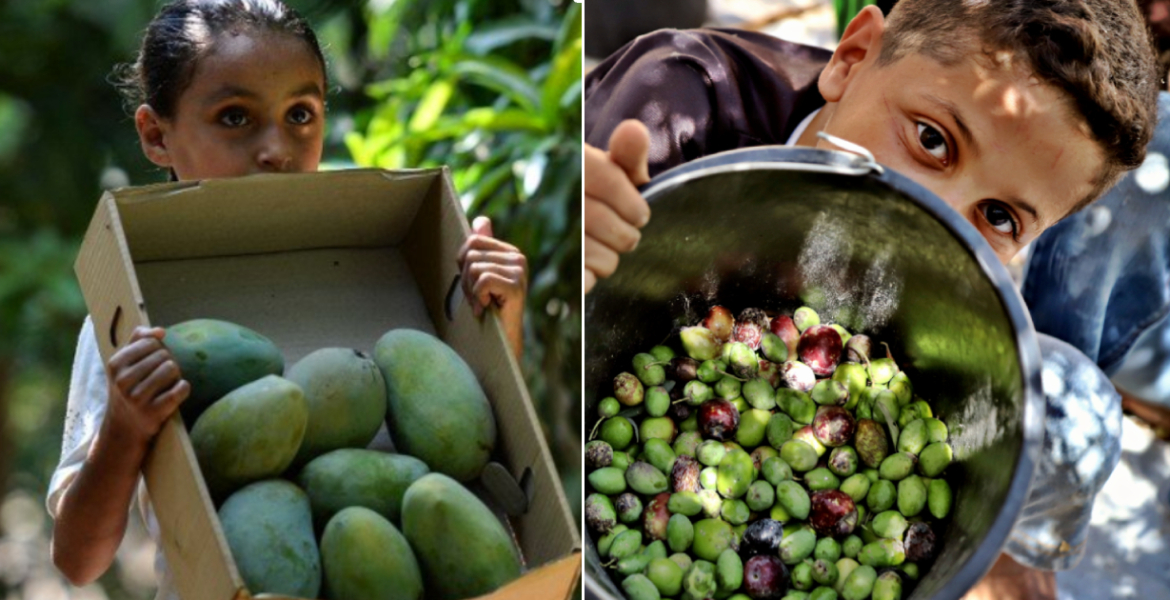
(225, 88)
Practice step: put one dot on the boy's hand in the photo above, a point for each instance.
(614, 210)
(146, 386)
(495, 272)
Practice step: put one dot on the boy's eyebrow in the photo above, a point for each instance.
(953, 110)
(1020, 204)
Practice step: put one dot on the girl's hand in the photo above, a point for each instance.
(495, 272)
(146, 386)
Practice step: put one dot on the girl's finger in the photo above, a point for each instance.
(163, 377)
(493, 287)
(588, 280)
(166, 403)
(133, 352)
(482, 226)
(127, 376)
(513, 276)
(599, 258)
(604, 225)
(481, 242)
(500, 258)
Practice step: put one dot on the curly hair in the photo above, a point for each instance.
(1099, 52)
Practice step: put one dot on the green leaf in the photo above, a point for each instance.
(431, 107)
(507, 31)
(383, 19)
(570, 28)
(566, 69)
(500, 75)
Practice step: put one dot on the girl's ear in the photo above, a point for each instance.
(152, 131)
(859, 47)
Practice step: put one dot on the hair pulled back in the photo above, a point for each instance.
(184, 30)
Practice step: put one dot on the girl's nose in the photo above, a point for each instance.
(275, 153)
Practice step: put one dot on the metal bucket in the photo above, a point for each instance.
(779, 227)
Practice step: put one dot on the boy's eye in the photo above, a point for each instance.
(1000, 219)
(933, 142)
(300, 116)
(233, 118)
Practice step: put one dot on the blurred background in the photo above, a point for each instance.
(491, 88)
(1128, 550)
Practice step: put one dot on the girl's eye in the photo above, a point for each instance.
(233, 118)
(300, 116)
(933, 142)
(1000, 219)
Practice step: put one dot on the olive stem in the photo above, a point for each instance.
(730, 375)
(593, 433)
(890, 355)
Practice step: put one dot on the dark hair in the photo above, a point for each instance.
(184, 30)
(1098, 51)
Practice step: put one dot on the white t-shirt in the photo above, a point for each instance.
(88, 397)
(800, 127)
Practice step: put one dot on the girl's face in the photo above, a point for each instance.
(255, 104)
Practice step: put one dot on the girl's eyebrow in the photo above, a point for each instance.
(232, 91)
(229, 91)
(309, 89)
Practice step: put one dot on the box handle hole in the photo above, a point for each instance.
(514, 496)
(454, 296)
(114, 322)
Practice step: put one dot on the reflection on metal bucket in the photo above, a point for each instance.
(775, 228)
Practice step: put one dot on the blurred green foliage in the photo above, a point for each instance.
(500, 104)
(490, 88)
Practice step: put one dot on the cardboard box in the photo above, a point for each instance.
(310, 260)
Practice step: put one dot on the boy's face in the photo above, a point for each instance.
(1003, 150)
(255, 104)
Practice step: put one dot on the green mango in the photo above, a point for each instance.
(347, 400)
(366, 557)
(253, 433)
(269, 528)
(463, 549)
(357, 477)
(438, 412)
(216, 357)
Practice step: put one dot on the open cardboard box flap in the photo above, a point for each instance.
(310, 260)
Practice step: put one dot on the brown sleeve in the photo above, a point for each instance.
(703, 91)
(650, 81)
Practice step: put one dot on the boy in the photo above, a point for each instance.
(1014, 113)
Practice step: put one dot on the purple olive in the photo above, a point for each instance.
(718, 419)
(833, 426)
(750, 327)
(832, 513)
(820, 349)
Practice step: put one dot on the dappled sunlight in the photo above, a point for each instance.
(1128, 550)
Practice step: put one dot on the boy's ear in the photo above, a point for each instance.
(859, 47)
(152, 131)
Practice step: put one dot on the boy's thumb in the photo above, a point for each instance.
(629, 148)
(482, 226)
